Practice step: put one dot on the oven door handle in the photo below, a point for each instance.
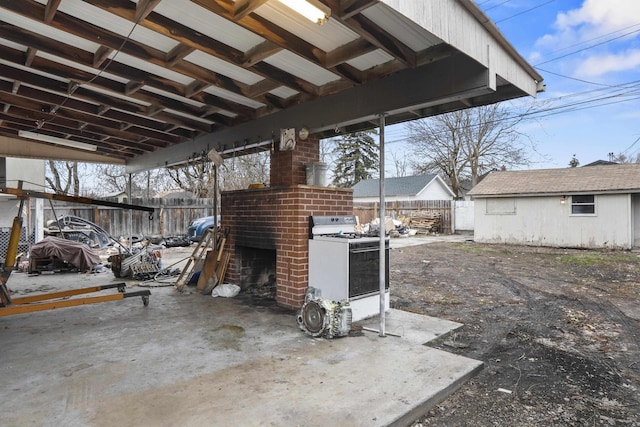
(363, 250)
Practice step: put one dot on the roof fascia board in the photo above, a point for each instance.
(565, 193)
(444, 185)
(463, 25)
(453, 78)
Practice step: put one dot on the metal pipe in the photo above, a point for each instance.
(55, 216)
(130, 214)
(215, 200)
(382, 232)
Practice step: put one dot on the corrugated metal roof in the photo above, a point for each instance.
(398, 186)
(410, 33)
(592, 179)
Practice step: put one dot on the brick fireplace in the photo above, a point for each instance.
(271, 225)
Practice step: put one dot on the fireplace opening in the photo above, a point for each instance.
(257, 272)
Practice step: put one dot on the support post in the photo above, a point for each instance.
(382, 232)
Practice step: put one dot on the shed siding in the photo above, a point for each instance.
(544, 221)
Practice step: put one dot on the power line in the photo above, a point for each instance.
(594, 102)
(525, 11)
(497, 5)
(573, 78)
(590, 40)
(631, 146)
(588, 47)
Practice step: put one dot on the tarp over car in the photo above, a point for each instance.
(78, 254)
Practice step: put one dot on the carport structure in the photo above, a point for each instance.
(153, 83)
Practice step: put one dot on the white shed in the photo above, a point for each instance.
(407, 188)
(587, 207)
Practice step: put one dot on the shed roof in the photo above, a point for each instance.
(592, 179)
(398, 186)
(155, 83)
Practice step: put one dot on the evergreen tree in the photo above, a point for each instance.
(357, 159)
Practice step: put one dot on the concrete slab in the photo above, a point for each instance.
(194, 360)
(414, 328)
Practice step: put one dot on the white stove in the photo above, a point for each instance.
(345, 265)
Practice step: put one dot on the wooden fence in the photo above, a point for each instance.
(399, 210)
(171, 217)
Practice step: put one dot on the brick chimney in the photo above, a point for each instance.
(276, 219)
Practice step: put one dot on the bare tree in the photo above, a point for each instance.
(467, 143)
(63, 178)
(400, 163)
(238, 172)
(196, 177)
(623, 158)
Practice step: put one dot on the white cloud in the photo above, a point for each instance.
(584, 27)
(596, 17)
(598, 65)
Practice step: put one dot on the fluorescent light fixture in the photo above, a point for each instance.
(58, 141)
(311, 9)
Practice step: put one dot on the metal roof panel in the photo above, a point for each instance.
(328, 36)
(194, 16)
(225, 68)
(302, 68)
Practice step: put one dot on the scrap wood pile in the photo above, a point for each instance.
(208, 263)
(425, 221)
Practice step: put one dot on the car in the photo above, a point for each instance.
(198, 226)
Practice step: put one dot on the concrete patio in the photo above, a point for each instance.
(195, 360)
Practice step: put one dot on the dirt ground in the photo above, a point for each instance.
(557, 329)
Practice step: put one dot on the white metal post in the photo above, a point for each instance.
(382, 232)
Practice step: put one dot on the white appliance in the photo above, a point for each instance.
(345, 265)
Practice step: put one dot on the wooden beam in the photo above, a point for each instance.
(132, 86)
(29, 55)
(144, 8)
(195, 87)
(353, 7)
(382, 39)
(106, 84)
(242, 8)
(348, 51)
(50, 10)
(101, 55)
(178, 53)
(72, 87)
(259, 52)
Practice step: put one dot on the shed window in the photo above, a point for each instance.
(583, 204)
(501, 206)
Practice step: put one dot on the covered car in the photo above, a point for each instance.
(55, 249)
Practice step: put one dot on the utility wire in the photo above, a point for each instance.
(594, 102)
(573, 78)
(42, 122)
(525, 11)
(588, 47)
(497, 5)
(590, 40)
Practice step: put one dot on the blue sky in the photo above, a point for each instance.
(588, 52)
